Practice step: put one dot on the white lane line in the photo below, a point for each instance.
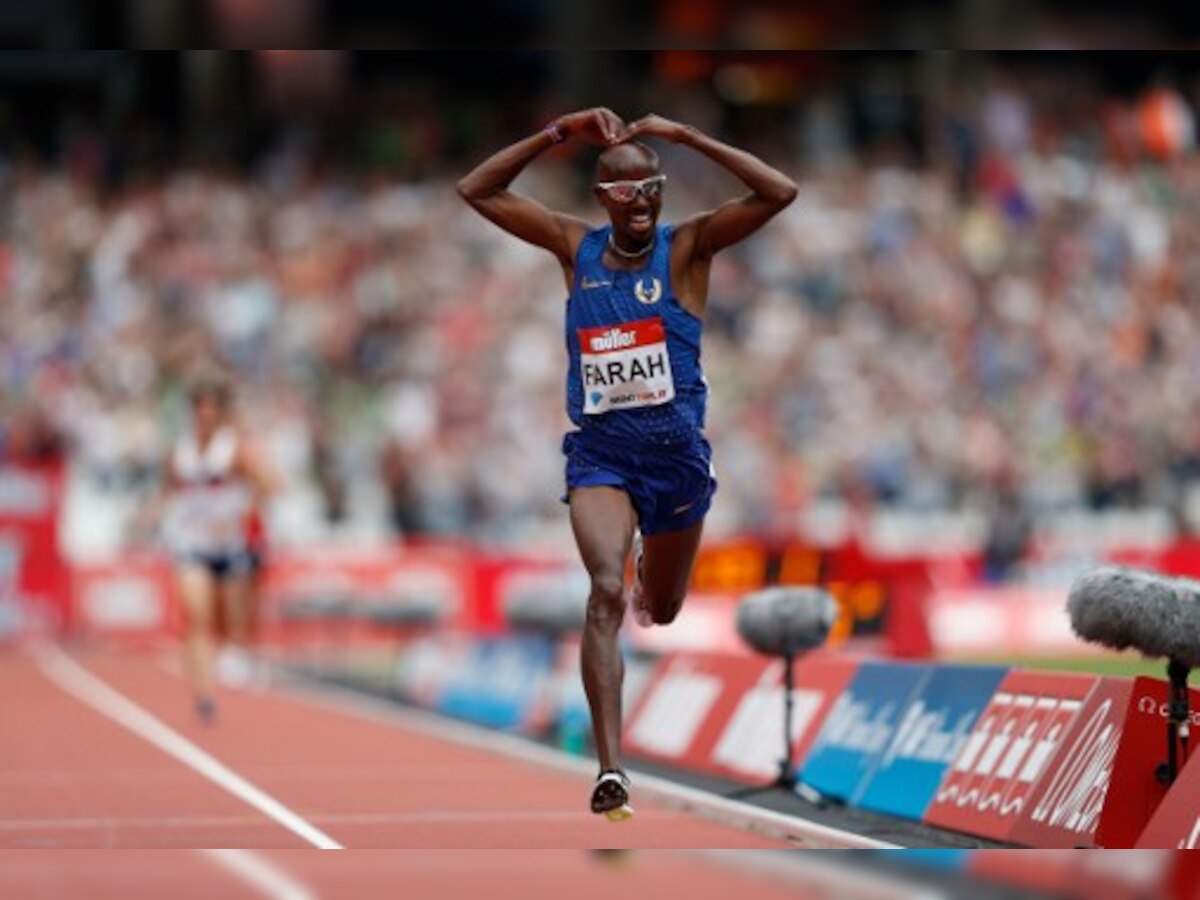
(731, 812)
(85, 687)
(259, 873)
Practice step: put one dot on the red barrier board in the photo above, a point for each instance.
(32, 573)
(1063, 810)
(1136, 791)
(1089, 876)
(1183, 882)
(986, 788)
(1176, 822)
(750, 745)
(688, 701)
(131, 597)
(1049, 871)
(991, 619)
(1131, 876)
(373, 573)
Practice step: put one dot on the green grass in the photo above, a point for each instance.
(1127, 665)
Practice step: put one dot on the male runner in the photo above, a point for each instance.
(638, 459)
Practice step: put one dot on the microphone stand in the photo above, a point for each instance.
(788, 778)
(1178, 716)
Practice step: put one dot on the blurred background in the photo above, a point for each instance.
(974, 339)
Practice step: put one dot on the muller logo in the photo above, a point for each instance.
(613, 339)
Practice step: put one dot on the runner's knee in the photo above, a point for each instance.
(663, 611)
(606, 602)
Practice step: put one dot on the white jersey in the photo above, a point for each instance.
(210, 502)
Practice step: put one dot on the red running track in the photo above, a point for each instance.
(475, 875)
(71, 777)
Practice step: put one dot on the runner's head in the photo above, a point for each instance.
(629, 186)
(211, 395)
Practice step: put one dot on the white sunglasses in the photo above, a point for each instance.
(627, 191)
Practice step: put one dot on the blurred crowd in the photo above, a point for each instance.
(1012, 324)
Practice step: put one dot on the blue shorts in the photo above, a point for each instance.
(671, 489)
(222, 565)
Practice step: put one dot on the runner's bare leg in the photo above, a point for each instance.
(603, 520)
(667, 560)
(197, 592)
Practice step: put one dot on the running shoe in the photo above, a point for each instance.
(610, 796)
(206, 710)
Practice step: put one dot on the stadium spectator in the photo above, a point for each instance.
(900, 330)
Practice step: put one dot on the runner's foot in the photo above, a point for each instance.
(206, 710)
(610, 796)
(637, 594)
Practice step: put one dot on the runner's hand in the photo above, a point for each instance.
(599, 125)
(655, 126)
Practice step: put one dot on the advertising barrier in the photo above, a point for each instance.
(133, 598)
(441, 574)
(1100, 788)
(860, 727)
(750, 747)
(499, 686)
(1063, 810)
(688, 701)
(1175, 825)
(991, 620)
(987, 786)
(1136, 791)
(562, 713)
(723, 714)
(34, 587)
(1088, 876)
(426, 665)
(1050, 872)
(933, 729)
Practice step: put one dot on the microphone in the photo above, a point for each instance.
(784, 621)
(1123, 608)
(788, 621)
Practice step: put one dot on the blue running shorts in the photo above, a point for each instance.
(671, 488)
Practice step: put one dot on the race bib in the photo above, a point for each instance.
(625, 366)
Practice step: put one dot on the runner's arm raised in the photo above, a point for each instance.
(486, 186)
(770, 189)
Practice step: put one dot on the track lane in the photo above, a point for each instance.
(371, 784)
(176, 874)
(304, 875)
(72, 778)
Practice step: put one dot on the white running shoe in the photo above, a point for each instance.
(235, 667)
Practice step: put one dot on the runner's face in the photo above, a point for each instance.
(632, 221)
(208, 413)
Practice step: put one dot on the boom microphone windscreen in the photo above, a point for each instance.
(1124, 608)
(781, 620)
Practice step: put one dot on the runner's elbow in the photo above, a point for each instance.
(785, 193)
(471, 190)
(465, 188)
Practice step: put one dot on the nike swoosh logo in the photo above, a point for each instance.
(681, 509)
(588, 284)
